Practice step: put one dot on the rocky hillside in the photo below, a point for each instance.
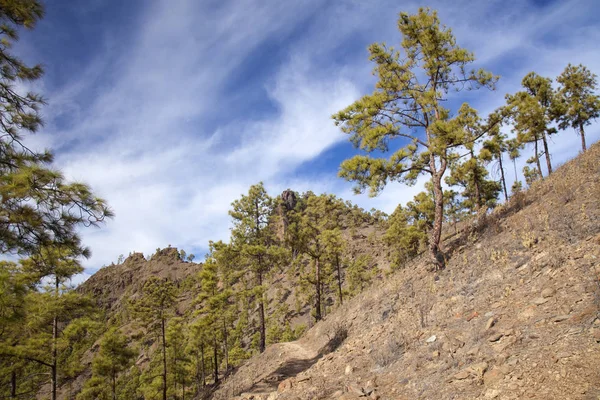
(515, 315)
(112, 285)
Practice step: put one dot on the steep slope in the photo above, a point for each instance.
(112, 285)
(516, 314)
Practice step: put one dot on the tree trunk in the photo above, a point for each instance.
(582, 134)
(477, 184)
(436, 232)
(502, 177)
(198, 377)
(261, 315)
(164, 351)
(225, 347)
(203, 370)
(53, 368)
(114, 386)
(215, 360)
(13, 384)
(175, 372)
(537, 158)
(339, 276)
(547, 153)
(318, 316)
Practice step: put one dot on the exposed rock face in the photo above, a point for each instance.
(111, 285)
(289, 199)
(288, 202)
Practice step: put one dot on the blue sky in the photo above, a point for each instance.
(171, 109)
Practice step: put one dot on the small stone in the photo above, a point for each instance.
(495, 337)
(539, 301)
(527, 313)
(374, 396)
(435, 354)
(479, 368)
(548, 292)
(473, 351)
(461, 375)
(284, 385)
(337, 393)
(353, 388)
(489, 314)
(350, 396)
(560, 318)
(493, 376)
(348, 370)
(431, 339)
(492, 393)
(473, 315)
(491, 322)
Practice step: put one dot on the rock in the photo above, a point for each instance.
(489, 314)
(473, 351)
(374, 396)
(355, 389)
(527, 313)
(337, 394)
(539, 301)
(473, 315)
(495, 337)
(348, 370)
(272, 396)
(493, 376)
(560, 318)
(461, 375)
(479, 369)
(350, 396)
(435, 354)
(285, 385)
(492, 393)
(548, 292)
(491, 322)
(431, 339)
(289, 199)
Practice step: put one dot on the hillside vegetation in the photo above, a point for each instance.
(515, 315)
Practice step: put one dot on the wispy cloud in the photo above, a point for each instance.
(202, 99)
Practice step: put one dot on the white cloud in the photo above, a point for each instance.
(154, 130)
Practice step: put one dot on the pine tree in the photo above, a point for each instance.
(14, 289)
(577, 104)
(256, 245)
(404, 236)
(114, 357)
(360, 273)
(471, 174)
(178, 358)
(316, 239)
(494, 149)
(408, 105)
(531, 111)
(52, 311)
(39, 208)
(335, 246)
(154, 309)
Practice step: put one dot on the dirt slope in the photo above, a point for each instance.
(515, 315)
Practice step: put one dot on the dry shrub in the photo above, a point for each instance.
(388, 353)
(336, 337)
